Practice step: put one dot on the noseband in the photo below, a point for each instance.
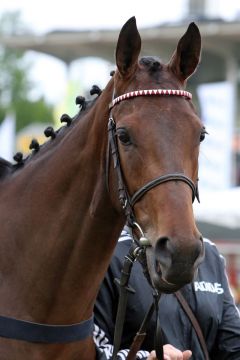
(126, 200)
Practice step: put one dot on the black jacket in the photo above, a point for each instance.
(209, 297)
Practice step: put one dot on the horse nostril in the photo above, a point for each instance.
(163, 251)
(163, 245)
(162, 242)
(171, 259)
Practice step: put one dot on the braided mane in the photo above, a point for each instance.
(6, 167)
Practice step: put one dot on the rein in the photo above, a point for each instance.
(124, 291)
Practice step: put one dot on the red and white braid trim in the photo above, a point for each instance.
(168, 92)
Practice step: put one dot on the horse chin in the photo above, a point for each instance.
(163, 286)
(157, 280)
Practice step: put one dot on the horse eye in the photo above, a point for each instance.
(123, 136)
(202, 135)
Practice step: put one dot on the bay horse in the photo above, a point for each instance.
(63, 207)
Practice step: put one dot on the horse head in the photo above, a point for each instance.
(158, 135)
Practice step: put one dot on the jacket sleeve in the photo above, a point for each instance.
(105, 348)
(228, 338)
(105, 314)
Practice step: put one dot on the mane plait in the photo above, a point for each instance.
(7, 167)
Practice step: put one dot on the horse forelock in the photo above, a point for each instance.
(152, 68)
(152, 63)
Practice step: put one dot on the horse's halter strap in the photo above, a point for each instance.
(126, 200)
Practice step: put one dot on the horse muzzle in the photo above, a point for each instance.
(170, 266)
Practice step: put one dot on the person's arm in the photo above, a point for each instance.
(105, 314)
(228, 338)
(105, 348)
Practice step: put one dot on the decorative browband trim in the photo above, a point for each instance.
(165, 92)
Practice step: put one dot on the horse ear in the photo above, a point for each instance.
(187, 54)
(128, 47)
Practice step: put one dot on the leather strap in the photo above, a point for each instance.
(43, 333)
(158, 341)
(136, 346)
(139, 338)
(124, 290)
(140, 335)
(123, 195)
(194, 322)
(162, 179)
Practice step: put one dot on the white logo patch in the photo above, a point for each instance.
(215, 288)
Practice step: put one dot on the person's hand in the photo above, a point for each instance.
(171, 353)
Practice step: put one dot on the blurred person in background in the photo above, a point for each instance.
(209, 297)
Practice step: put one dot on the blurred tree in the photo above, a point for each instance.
(30, 112)
(15, 84)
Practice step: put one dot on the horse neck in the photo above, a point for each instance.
(66, 230)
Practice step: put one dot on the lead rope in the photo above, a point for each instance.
(194, 323)
(158, 341)
(140, 335)
(124, 290)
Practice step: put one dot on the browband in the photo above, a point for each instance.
(136, 93)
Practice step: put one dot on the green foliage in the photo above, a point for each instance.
(28, 112)
(2, 114)
(15, 84)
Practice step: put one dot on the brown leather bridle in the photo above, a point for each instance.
(128, 201)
